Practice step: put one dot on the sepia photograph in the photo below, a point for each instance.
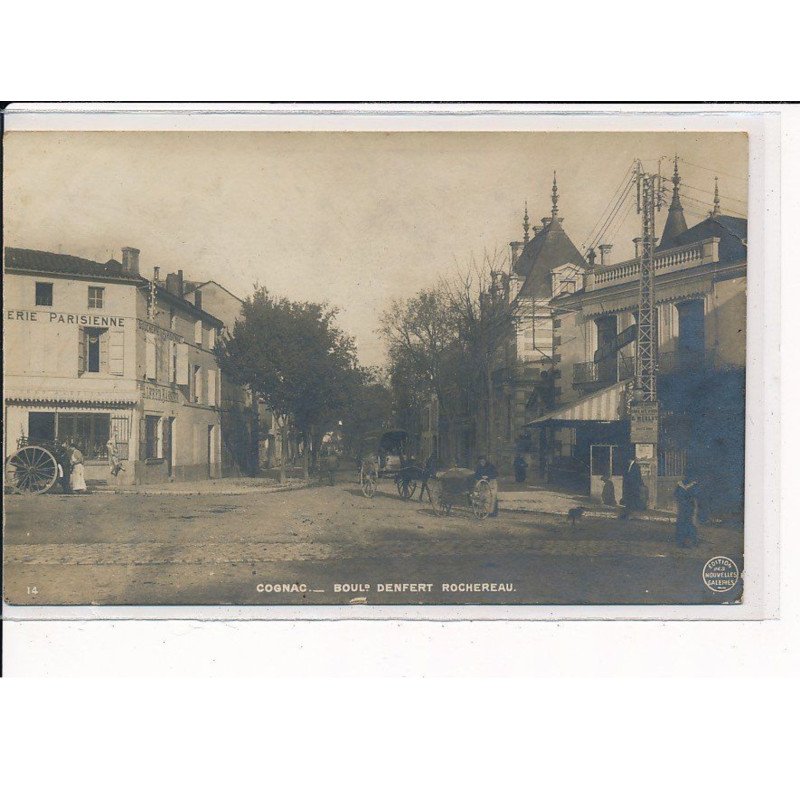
(374, 368)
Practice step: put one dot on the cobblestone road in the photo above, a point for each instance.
(129, 549)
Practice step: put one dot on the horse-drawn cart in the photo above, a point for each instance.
(33, 468)
(458, 487)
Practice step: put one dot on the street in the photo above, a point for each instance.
(331, 545)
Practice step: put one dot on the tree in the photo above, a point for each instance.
(294, 356)
(369, 410)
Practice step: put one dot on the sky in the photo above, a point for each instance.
(354, 219)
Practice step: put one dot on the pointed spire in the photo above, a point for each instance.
(676, 182)
(676, 222)
(526, 226)
(554, 195)
(716, 211)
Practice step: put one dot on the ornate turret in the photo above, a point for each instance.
(554, 195)
(716, 212)
(526, 226)
(676, 222)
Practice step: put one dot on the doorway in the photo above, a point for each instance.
(211, 451)
(167, 443)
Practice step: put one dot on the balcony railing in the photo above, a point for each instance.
(672, 260)
(589, 374)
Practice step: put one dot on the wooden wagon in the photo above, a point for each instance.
(458, 487)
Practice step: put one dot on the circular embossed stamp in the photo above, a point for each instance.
(720, 574)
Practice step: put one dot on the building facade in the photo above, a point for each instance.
(95, 352)
(700, 292)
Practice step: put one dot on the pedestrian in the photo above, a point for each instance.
(486, 470)
(609, 494)
(78, 476)
(113, 458)
(686, 500)
(632, 488)
(65, 468)
(331, 466)
(520, 468)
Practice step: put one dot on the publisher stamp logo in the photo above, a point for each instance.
(720, 574)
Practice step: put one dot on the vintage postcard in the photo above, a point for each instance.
(375, 367)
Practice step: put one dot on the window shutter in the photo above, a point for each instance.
(104, 351)
(116, 352)
(183, 364)
(81, 351)
(150, 356)
(212, 387)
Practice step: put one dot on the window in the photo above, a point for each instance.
(90, 432)
(212, 387)
(197, 384)
(152, 437)
(96, 297)
(44, 294)
(93, 350)
(173, 372)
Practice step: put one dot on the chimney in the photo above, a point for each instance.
(605, 250)
(180, 282)
(537, 229)
(198, 298)
(130, 260)
(636, 242)
(156, 274)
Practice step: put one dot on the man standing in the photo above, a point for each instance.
(486, 470)
(520, 468)
(65, 468)
(632, 488)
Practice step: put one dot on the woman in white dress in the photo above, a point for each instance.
(78, 477)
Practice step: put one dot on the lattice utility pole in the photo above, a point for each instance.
(645, 417)
(648, 199)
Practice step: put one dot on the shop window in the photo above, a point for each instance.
(44, 294)
(152, 437)
(41, 426)
(89, 432)
(96, 296)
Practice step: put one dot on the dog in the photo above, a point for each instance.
(574, 514)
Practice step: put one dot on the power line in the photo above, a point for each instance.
(704, 203)
(713, 171)
(625, 177)
(711, 192)
(612, 216)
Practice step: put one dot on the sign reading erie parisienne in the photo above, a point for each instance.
(644, 421)
(93, 320)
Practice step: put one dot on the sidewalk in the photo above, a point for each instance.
(217, 486)
(546, 500)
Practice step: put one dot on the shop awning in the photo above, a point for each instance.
(607, 405)
(58, 398)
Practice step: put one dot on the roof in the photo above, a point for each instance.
(191, 286)
(550, 248)
(732, 233)
(60, 263)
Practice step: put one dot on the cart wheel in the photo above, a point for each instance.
(481, 500)
(407, 489)
(31, 469)
(440, 507)
(368, 486)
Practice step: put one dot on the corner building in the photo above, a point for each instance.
(95, 351)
